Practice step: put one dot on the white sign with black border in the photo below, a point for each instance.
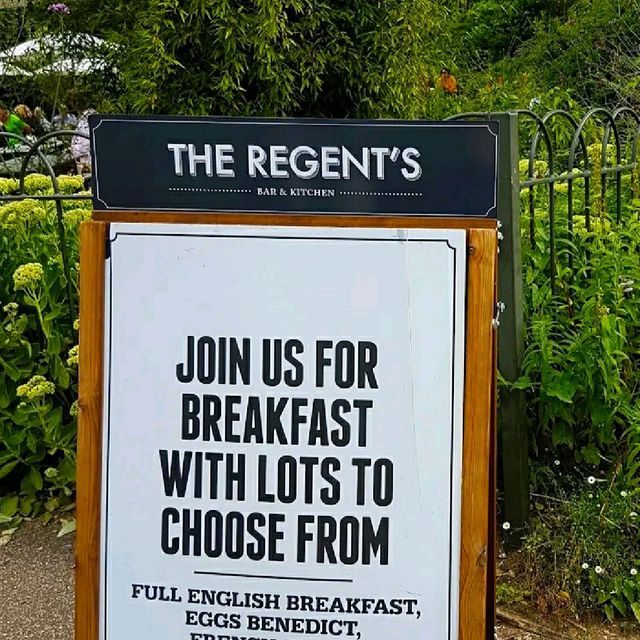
(282, 433)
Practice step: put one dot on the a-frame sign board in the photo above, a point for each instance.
(287, 380)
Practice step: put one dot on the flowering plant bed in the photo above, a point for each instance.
(38, 353)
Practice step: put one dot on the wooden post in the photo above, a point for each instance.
(93, 237)
(478, 406)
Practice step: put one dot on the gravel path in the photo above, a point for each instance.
(36, 585)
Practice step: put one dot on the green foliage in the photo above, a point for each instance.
(38, 356)
(271, 57)
(581, 361)
(584, 553)
(581, 374)
(592, 51)
(494, 29)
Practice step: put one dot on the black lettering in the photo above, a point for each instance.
(211, 414)
(318, 424)
(375, 542)
(327, 532)
(321, 360)
(367, 360)
(383, 482)
(240, 361)
(190, 420)
(271, 362)
(287, 479)
(329, 466)
(293, 378)
(206, 359)
(349, 540)
(345, 364)
(303, 537)
(231, 416)
(256, 550)
(213, 528)
(170, 546)
(362, 406)
(185, 373)
(342, 436)
(175, 475)
(361, 465)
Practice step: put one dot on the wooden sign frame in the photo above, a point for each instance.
(478, 460)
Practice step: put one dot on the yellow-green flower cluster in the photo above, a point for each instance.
(540, 169)
(50, 473)
(76, 324)
(8, 185)
(74, 217)
(70, 184)
(11, 308)
(37, 184)
(27, 276)
(73, 410)
(55, 260)
(73, 356)
(37, 387)
(70, 205)
(22, 211)
(561, 187)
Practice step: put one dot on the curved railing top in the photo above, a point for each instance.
(17, 158)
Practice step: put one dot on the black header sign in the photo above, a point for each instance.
(295, 165)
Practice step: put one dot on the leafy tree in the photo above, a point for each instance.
(594, 52)
(354, 58)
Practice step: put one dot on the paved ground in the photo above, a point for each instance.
(36, 594)
(36, 585)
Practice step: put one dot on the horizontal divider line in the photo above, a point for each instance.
(249, 575)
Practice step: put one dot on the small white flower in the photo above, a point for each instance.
(591, 480)
(585, 565)
(591, 495)
(633, 514)
(506, 526)
(556, 462)
(623, 494)
(599, 570)
(634, 572)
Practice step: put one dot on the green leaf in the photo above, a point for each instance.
(69, 526)
(561, 433)
(52, 504)
(36, 478)
(635, 607)
(619, 604)
(590, 454)
(12, 371)
(563, 388)
(608, 611)
(9, 506)
(8, 468)
(32, 481)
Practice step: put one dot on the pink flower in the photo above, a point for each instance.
(58, 7)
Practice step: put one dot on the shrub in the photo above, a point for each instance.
(581, 372)
(38, 354)
(281, 57)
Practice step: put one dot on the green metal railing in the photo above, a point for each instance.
(528, 136)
